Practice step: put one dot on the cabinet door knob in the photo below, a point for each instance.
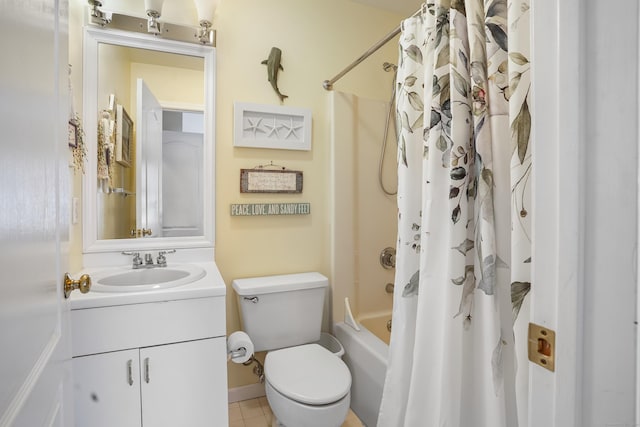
(83, 284)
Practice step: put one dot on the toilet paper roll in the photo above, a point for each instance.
(239, 347)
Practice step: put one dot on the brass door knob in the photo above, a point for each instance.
(83, 284)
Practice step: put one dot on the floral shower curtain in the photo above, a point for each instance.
(464, 248)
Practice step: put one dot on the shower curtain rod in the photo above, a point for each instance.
(328, 84)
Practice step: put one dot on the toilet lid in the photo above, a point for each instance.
(308, 374)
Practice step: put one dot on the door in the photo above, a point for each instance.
(182, 183)
(185, 384)
(585, 74)
(35, 358)
(553, 396)
(149, 160)
(107, 389)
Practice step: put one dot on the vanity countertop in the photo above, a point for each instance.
(211, 285)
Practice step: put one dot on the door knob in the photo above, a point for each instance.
(140, 232)
(83, 284)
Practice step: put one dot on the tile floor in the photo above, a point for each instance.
(257, 413)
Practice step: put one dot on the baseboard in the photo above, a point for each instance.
(246, 392)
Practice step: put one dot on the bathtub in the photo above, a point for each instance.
(366, 356)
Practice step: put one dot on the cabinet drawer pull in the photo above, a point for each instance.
(146, 370)
(130, 371)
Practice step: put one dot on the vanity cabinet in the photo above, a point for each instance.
(166, 385)
(152, 364)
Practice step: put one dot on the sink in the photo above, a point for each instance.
(126, 279)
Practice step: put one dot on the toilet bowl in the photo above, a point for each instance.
(307, 386)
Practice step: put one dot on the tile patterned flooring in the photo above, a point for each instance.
(257, 413)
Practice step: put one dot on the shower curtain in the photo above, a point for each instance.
(463, 250)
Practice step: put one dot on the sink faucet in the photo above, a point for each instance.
(161, 261)
(148, 260)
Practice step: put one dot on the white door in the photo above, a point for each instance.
(585, 81)
(149, 160)
(182, 184)
(35, 351)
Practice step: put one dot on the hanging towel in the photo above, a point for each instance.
(105, 149)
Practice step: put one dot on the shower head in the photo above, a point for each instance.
(389, 67)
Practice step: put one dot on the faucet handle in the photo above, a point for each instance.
(162, 259)
(137, 260)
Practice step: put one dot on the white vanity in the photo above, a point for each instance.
(148, 340)
(154, 357)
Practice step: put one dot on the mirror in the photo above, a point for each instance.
(148, 121)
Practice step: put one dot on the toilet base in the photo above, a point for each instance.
(289, 413)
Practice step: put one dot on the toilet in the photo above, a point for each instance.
(306, 384)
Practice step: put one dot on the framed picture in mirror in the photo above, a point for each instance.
(124, 136)
(73, 134)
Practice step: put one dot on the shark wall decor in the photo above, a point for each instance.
(273, 66)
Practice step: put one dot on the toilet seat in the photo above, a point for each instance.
(308, 374)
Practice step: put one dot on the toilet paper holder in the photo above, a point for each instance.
(240, 352)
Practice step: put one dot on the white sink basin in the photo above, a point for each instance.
(145, 279)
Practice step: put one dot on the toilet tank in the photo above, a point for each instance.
(281, 311)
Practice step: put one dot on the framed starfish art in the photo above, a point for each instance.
(271, 126)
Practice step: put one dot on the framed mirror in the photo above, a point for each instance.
(148, 107)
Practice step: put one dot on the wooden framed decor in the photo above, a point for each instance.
(124, 136)
(272, 126)
(72, 134)
(270, 181)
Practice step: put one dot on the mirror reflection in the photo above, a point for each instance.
(150, 143)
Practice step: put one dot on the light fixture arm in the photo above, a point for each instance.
(153, 25)
(97, 16)
(206, 34)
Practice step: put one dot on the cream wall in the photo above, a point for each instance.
(318, 39)
(116, 219)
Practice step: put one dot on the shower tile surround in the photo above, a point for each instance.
(257, 413)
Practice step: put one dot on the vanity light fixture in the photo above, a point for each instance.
(203, 34)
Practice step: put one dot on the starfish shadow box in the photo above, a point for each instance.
(272, 126)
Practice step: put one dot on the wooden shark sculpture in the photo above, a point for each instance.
(273, 65)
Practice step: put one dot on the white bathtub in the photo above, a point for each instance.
(366, 355)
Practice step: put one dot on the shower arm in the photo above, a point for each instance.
(328, 84)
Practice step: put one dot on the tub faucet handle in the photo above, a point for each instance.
(388, 258)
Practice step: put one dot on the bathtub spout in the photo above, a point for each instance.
(348, 316)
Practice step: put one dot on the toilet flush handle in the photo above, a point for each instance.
(252, 299)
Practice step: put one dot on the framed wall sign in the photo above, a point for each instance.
(270, 181)
(272, 126)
